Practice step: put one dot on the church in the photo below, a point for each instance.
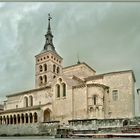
(70, 93)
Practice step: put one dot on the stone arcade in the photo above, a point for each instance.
(68, 93)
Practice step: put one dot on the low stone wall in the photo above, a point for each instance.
(135, 121)
(29, 129)
(79, 126)
(21, 129)
(95, 124)
(48, 128)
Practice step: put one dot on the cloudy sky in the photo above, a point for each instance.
(105, 35)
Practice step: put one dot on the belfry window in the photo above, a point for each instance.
(64, 89)
(54, 67)
(94, 99)
(40, 68)
(47, 40)
(40, 80)
(45, 79)
(57, 91)
(45, 67)
(115, 95)
(58, 70)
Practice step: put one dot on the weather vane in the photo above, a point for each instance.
(78, 62)
(49, 17)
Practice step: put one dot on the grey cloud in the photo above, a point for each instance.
(105, 35)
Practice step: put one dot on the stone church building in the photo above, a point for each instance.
(70, 93)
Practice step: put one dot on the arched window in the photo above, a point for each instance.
(18, 118)
(30, 100)
(35, 117)
(40, 80)
(45, 67)
(45, 79)
(26, 117)
(0, 119)
(115, 95)
(15, 119)
(25, 102)
(57, 91)
(64, 89)
(58, 70)
(54, 67)
(40, 68)
(94, 99)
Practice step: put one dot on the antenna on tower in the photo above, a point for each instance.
(78, 62)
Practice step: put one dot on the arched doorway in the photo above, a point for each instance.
(47, 115)
(125, 122)
(35, 117)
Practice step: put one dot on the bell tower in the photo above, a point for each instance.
(48, 62)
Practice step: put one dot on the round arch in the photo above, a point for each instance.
(31, 117)
(25, 101)
(26, 118)
(47, 115)
(18, 118)
(125, 122)
(14, 119)
(35, 117)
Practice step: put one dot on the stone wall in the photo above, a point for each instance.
(96, 124)
(123, 82)
(80, 70)
(29, 129)
(24, 129)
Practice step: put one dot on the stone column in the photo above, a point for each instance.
(33, 119)
(96, 112)
(2, 121)
(24, 119)
(17, 119)
(9, 120)
(20, 119)
(29, 118)
(100, 112)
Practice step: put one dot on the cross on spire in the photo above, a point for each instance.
(49, 26)
(49, 17)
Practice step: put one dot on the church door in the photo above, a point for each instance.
(47, 115)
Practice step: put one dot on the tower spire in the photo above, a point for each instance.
(49, 37)
(49, 26)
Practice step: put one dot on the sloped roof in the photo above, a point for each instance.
(21, 109)
(93, 84)
(109, 73)
(27, 91)
(78, 65)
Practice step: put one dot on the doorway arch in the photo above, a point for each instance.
(47, 115)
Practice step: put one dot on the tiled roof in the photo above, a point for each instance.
(78, 65)
(21, 109)
(110, 73)
(27, 91)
